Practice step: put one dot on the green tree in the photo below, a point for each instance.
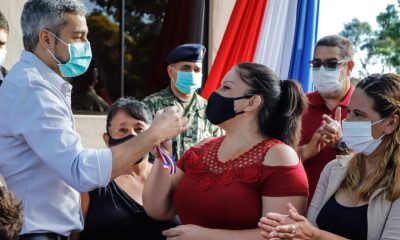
(381, 46)
(143, 22)
(102, 32)
(387, 43)
(358, 33)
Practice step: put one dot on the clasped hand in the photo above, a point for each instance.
(328, 134)
(291, 226)
(330, 130)
(185, 232)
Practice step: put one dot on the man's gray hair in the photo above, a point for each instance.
(40, 14)
(345, 45)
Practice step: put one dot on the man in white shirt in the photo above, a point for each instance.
(41, 155)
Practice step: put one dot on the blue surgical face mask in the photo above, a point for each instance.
(80, 56)
(188, 82)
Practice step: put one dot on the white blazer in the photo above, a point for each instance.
(383, 215)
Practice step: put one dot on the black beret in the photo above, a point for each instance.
(192, 52)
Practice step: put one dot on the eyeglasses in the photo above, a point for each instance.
(329, 65)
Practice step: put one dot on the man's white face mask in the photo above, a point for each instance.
(326, 81)
(326, 75)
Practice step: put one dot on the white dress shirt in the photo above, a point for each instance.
(41, 155)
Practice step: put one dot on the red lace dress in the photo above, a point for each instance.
(227, 195)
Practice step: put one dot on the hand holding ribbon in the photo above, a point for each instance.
(167, 160)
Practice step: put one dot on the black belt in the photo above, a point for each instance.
(42, 236)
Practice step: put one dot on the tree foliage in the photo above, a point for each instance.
(143, 22)
(103, 40)
(381, 46)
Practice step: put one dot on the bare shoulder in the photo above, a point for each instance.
(281, 155)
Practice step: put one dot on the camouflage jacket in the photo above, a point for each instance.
(199, 127)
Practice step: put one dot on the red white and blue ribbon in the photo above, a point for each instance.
(167, 160)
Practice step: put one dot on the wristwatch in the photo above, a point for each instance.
(341, 146)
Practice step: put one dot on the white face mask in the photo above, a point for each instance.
(326, 81)
(3, 53)
(358, 138)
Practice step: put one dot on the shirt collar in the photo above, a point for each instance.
(47, 73)
(345, 101)
(316, 99)
(197, 101)
(171, 93)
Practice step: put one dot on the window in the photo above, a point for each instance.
(151, 30)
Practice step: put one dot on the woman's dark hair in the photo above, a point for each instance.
(132, 107)
(283, 102)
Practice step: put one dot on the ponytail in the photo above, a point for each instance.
(284, 122)
(283, 102)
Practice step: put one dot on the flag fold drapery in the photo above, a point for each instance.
(280, 34)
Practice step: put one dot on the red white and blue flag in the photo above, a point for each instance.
(280, 34)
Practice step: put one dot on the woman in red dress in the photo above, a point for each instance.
(224, 185)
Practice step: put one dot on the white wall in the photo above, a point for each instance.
(220, 12)
(12, 10)
(91, 129)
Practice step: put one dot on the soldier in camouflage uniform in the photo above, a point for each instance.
(185, 72)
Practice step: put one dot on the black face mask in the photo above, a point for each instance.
(114, 142)
(219, 108)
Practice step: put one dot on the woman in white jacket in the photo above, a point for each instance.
(357, 196)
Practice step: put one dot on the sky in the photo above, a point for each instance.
(334, 14)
